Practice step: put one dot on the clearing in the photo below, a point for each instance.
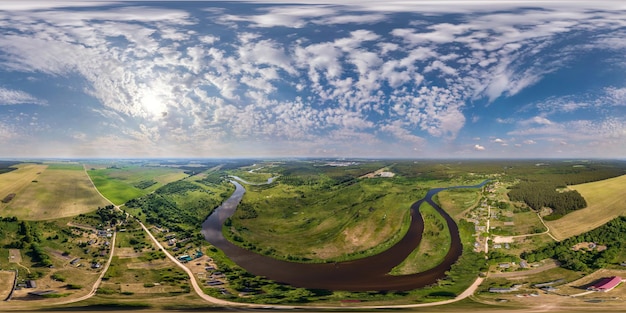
(606, 200)
(15, 256)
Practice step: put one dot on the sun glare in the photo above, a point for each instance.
(153, 106)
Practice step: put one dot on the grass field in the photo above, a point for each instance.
(122, 184)
(16, 181)
(457, 201)
(606, 199)
(55, 193)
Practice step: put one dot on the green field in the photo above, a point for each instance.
(606, 199)
(55, 193)
(120, 184)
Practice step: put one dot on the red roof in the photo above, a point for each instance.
(607, 283)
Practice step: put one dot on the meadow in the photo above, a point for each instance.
(288, 221)
(606, 200)
(120, 184)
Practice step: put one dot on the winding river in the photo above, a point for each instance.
(366, 274)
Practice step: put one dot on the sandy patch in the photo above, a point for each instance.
(155, 264)
(503, 239)
(15, 256)
(127, 253)
(141, 288)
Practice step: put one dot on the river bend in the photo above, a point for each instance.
(366, 274)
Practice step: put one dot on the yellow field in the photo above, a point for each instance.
(606, 200)
(6, 283)
(54, 193)
(17, 180)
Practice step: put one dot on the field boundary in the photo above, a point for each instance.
(606, 200)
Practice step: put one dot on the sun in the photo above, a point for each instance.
(153, 105)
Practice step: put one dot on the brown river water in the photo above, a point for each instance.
(366, 274)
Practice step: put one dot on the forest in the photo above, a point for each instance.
(545, 194)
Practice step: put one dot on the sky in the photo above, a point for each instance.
(297, 78)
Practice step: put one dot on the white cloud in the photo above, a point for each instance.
(399, 130)
(158, 70)
(10, 97)
(478, 147)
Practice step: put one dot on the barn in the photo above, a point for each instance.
(606, 284)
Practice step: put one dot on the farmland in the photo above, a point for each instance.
(14, 182)
(55, 193)
(606, 200)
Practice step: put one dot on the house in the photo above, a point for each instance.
(504, 265)
(31, 284)
(75, 261)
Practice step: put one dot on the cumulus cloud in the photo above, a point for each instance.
(178, 75)
(478, 147)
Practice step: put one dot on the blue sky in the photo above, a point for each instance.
(411, 79)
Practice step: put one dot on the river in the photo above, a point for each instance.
(366, 274)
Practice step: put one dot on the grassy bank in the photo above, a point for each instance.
(433, 247)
